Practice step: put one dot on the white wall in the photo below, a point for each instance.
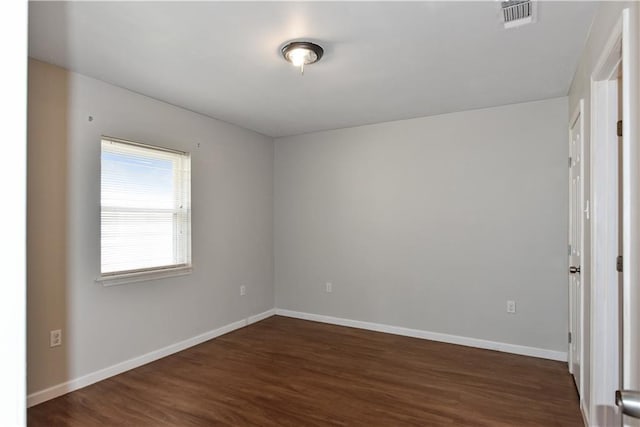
(430, 223)
(232, 228)
(606, 17)
(13, 86)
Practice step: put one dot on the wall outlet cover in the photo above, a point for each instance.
(55, 338)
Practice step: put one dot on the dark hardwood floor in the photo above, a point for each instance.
(287, 372)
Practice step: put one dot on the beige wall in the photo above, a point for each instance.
(232, 228)
(430, 223)
(47, 220)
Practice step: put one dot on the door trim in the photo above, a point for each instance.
(604, 188)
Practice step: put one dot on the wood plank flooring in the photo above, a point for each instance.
(288, 372)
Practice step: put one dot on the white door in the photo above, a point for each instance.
(575, 247)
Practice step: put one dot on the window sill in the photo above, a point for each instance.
(143, 276)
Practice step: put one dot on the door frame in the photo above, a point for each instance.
(605, 336)
(13, 106)
(578, 114)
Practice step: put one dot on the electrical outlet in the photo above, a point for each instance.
(511, 306)
(243, 290)
(328, 287)
(55, 338)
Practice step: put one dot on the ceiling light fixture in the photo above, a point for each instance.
(302, 53)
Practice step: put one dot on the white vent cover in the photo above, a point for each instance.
(517, 12)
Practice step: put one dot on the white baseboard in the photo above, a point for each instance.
(102, 374)
(261, 316)
(433, 336)
(78, 383)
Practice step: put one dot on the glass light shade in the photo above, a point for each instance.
(301, 53)
(301, 56)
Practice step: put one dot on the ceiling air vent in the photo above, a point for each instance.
(518, 12)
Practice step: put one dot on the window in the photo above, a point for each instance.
(145, 210)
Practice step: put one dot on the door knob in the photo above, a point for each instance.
(629, 402)
(574, 270)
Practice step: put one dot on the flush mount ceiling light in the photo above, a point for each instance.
(302, 53)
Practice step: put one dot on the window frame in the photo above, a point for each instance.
(147, 273)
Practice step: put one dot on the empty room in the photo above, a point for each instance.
(327, 213)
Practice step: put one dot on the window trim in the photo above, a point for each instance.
(133, 276)
(141, 144)
(152, 273)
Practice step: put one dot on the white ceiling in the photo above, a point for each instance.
(383, 60)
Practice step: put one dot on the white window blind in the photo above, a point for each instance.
(145, 208)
